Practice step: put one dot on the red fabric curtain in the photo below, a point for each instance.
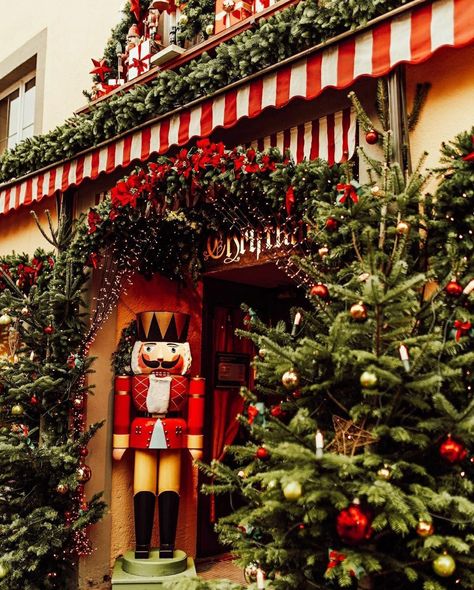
(227, 403)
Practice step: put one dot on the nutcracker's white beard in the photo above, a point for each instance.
(158, 396)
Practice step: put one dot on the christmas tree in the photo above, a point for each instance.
(43, 511)
(357, 472)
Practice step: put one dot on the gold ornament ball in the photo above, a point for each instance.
(323, 251)
(62, 488)
(17, 410)
(292, 491)
(403, 228)
(3, 571)
(375, 190)
(83, 473)
(290, 379)
(358, 312)
(368, 379)
(444, 566)
(262, 353)
(385, 472)
(210, 30)
(5, 319)
(425, 528)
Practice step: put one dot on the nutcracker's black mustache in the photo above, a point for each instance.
(160, 364)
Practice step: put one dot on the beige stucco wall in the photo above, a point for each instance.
(19, 232)
(76, 31)
(450, 106)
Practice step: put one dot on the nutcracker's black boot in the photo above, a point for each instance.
(144, 505)
(168, 505)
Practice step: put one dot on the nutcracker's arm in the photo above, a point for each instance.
(122, 402)
(196, 400)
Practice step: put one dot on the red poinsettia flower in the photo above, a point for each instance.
(251, 153)
(124, 193)
(93, 218)
(203, 143)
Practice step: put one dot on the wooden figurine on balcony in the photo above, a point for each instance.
(152, 23)
(160, 390)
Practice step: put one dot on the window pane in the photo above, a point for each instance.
(12, 140)
(28, 131)
(29, 105)
(13, 115)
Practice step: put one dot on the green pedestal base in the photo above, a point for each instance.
(145, 574)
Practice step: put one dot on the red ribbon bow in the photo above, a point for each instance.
(335, 558)
(252, 413)
(290, 199)
(461, 328)
(140, 63)
(348, 191)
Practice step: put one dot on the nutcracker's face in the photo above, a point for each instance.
(173, 358)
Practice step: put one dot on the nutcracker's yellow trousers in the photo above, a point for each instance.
(157, 471)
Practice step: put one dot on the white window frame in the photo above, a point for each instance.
(20, 85)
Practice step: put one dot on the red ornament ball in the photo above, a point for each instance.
(320, 291)
(332, 224)
(354, 524)
(277, 411)
(34, 401)
(78, 402)
(262, 453)
(83, 473)
(83, 452)
(371, 137)
(453, 288)
(48, 330)
(452, 450)
(297, 394)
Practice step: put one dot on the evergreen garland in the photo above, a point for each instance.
(273, 39)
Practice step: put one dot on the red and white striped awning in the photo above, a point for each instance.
(409, 36)
(331, 138)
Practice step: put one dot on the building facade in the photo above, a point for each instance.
(299, 103)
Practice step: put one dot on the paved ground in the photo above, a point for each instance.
(221, 566)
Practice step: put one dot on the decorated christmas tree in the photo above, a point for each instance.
(357, 472)
(43, 511)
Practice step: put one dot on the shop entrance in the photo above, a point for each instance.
(226, 359)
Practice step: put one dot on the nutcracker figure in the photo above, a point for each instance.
(160, 389)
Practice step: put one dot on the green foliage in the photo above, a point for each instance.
(280, 36)
(121, 357)
(201, 14)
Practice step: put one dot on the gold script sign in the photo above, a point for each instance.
(251, 245)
